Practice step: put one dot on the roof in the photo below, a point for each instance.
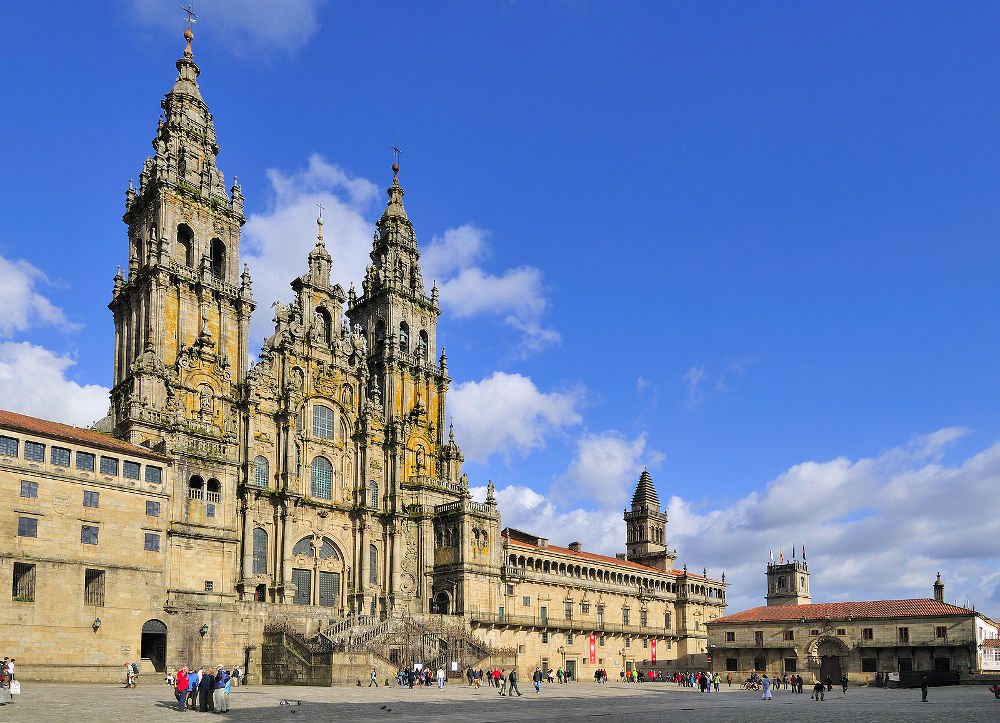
(67, 433)
(645, 493)
(608, 560)
(991, 643)
(920, 607)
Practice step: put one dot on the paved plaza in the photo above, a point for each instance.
(75, 703)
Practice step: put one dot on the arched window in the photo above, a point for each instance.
(218, 258)
(185, 245)
(379, 331)
(373, 493)
(422, 344)
(438, 539)
(196, 488)
(373, 564)
(324, 324)
(323, 422)
(303, 547)
(322, 478)
(213, 491)
(404, 336)
(327, 550)
(259, 551)
(260, 471)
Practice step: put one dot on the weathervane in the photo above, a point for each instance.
(395, 154)
(192, 18)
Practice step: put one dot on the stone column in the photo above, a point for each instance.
(362, 565)
(247, 540)
(397, 556)
(286, 556)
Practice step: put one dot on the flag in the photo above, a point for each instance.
(781, 556)
(793, 550)
(803, 552)
(770, 553)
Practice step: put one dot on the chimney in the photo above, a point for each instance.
(939, 589)
(574, 546)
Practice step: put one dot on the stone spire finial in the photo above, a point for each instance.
(188, 35)
(319, 225)
(451, 437)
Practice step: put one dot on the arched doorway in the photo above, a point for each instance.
(443, 603)
(832, 652)
(830, 666)
(153, 644)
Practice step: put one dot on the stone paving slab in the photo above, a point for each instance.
(75, 703)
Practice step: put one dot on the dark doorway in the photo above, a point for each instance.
(153, 644)
(442, 603)
(571, 669)
(830, 666)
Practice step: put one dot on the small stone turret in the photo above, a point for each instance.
(939, 589)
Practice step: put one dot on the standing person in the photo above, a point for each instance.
(717, 681)
(536, 678)
(843, 682)
(225, 694)
(923, 689)
(222, 679)
(729, 680)
(374, 680)
(129, 676)
(237, 675)
(440, 677)
(204, 690)
(766, 683)
(182, 688)
(559, 674)
(193, 679)
(512, 682)
(470, 675)
(829, 684)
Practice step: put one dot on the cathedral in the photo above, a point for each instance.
(312, 499)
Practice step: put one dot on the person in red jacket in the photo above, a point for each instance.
(182, 688)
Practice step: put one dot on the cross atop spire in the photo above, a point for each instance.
(319, 224)
(188, 35)
(396, 150)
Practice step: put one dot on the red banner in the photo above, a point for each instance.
(593, 648)
(654, 651)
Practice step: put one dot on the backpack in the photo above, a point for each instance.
(135, 668)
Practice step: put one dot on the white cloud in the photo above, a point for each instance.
(276, 242)
(516, 295)
(33, 381)
(693, 379)
(605, 468)
(507, 413)
(244, 27)
(23, 306)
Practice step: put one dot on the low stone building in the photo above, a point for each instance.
(859, 639)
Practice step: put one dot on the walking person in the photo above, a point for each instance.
(923, 689)
(503, 681)
(374, 680)
(843, 682)
(729, 679)
(221, 680)
(225, 694)
(512, 682)
(536, 678)
(440, 678)
(766, 683)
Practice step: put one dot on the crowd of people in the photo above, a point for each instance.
(205, 690)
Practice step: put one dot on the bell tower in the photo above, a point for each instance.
(788, 583)
(645, 528)
(182, 308)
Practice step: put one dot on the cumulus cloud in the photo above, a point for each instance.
(277, 240)
(246, 26)
(23, 305)
(605, 468)
(517, 295)
(507, 413)
(33, 380)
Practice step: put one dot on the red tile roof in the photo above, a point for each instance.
(921, 607)
(991, 643)
(65, 432)
(607, 560)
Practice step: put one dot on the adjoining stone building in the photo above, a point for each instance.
(226, 509)
(859, 639)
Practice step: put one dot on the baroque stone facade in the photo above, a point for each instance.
(319, 486)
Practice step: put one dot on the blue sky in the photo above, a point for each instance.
(751, 247)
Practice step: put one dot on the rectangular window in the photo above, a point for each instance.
(323, 422)
(666, 620)
(34, 451)
(521, 649)
(209, 510)
(625, 616)
(791, 665)
(814, 632)
(85, 461)
(302, 579)
(545, 637)
(152, 543)
(905, 665)
(8, 446)
(600, 641)
(941, 631)
(500, 614)
(584, 607)
(759, 664)
(59, 456)
(23, 589)
(568, 609)
(93, 588)
(27, 527)
(130, 470)
(628, 642)
(643, 618)
(91, 499)
(867, 633)
(526, 601)
(510, 589)
(29, 488)
(569, 639)
(758, 638)
(209, 585)
(153, 474)
(373, 564)
(841, 631)
(152, 508)
(942, 665)
(903, 635)
(645, 643)
(88, 534)
(789, 635)
(732, 664)
(869, 665)
(731, 637)
(109, 465)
